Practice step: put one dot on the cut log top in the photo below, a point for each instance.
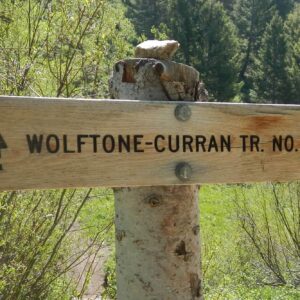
(139, 78)
(157, 49)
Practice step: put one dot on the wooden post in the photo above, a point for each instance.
(157, 228)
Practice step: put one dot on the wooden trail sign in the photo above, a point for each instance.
(54, 143)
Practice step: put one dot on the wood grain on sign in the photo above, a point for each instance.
(55, 143)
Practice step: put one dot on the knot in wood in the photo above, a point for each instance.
(196, 229)
(153, 200)
(120, 235)
(159, 68)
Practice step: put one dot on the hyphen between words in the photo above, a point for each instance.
(95, 143)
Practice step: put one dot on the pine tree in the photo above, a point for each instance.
(216, 54)
(292, 29)
(208, 42)
(181, 20)
(145, 14)
(228, 4)
(251, 19)
(272, 76)
(284, 6)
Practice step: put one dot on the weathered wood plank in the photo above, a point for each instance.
(84, 130)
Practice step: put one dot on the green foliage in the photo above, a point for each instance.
(227, 51)
(208, 42)
(207, 36)
(234, 267)
(98, 216)
(61, 48)
(228, 4)
(251, 19)
(161, 32)
(284, 7)
(269, 215)
(34, 237)
(292, 29)
(272, 75)
(216, 55)
(180, 20)
(145, 14)
(44, 235)
(110, 291)
(99, 213)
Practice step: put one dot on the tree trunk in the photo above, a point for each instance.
(157, 228)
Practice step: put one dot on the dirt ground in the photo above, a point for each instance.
(95, 260)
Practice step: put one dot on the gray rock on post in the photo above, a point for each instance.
(157, 49)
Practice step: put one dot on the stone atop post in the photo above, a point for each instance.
(153, 76)
(157, 49)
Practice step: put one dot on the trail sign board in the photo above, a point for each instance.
(54, 143)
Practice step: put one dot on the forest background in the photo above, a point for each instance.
(245, 51)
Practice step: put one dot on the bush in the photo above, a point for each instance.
(269, 215)
(35, 241)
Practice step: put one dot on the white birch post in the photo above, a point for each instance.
(157, 228)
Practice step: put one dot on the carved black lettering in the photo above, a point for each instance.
(281, 143)
(35, 143)
(159, 139)
(80, 141)
(174, 144)
(277, 143)
(289, 143)
(200, 141)
(108, 143)
(187, 143)
(254, 143)
(65, 143)
(244, 142)
(124, 143)
(225, 143)
(52, 143)
(3, 145)
(213, 144)
(95, 138)
(137, 142)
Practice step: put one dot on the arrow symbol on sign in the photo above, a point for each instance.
(3, 145)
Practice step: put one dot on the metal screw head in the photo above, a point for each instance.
(183, 112)
(183, 171)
